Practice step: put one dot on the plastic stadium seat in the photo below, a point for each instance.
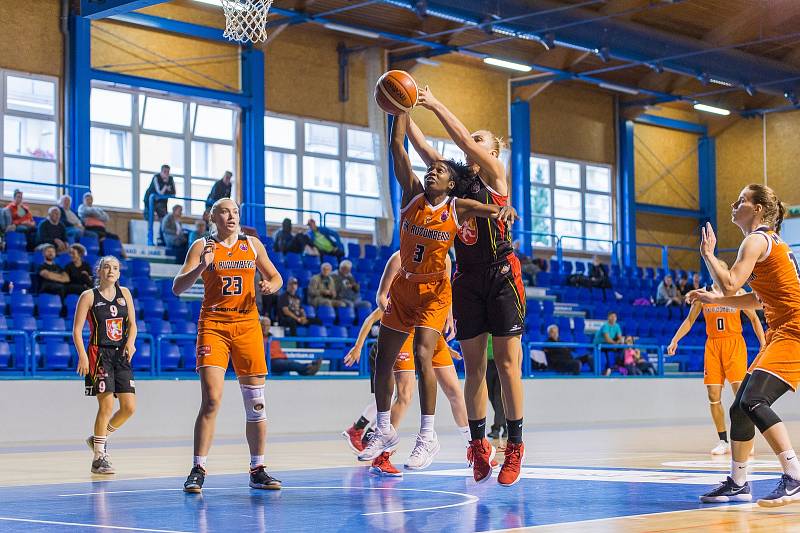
(301, 331)
(269, 242)
(195, 306)
(71, 302)
(370, 251)
(304, 277)
(91, 242)
(145, 288)
(21, 304)
(48, 305)
(16, 241)
(178, 310)
(183, 327)
(338, 331)
(55, 355)
(112, 247)
(554, 266)
(63, 260)
(3, 323)
(150, 309)
(346, 315)
(326, 314)
(567, 268)
(293, 261)
(52, 323)
(141, 326)
(170, 356)
(332, 259)
(543, 279)
(18, 260)
(310, 311)
(188, 355)
(385, 253)
(362, 313)
(160, 327)
(164, 289)
(141, 358)
(311, 262)
(140, 268)
(25, 323)
(548, 307)
(5, 354)
(564, 324)
(317, 331)
(353, 250)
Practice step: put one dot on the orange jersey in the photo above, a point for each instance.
(722, 321)
(776, 281)
(426, 235)
(230, 288)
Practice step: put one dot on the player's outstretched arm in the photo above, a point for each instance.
(685, 327)
(82, 308)
(757, 327)
(417, 139)
(389, 272)
(403, 172)
(739, 301)
(467, 209)
(271, 281)
(200, 255)
(354, 355)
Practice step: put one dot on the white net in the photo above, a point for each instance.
(246, 20)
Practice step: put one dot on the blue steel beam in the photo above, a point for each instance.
(707, 173)
(671, 123)
(77, 139)
(173, 26)
(669, 211)
(626, 193)
(170, 87)
(253, 184)
(98, 9)
(521, 169)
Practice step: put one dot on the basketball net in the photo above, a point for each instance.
(246, 20)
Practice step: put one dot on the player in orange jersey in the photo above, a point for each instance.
(420, 295)
(725, 355)
(767, 263)
(229, 329)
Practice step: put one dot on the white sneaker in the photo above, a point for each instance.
(379, 443)
(721, 448)
(423, 453)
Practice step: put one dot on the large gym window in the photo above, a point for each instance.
(320, 166)
(572, 200)
(29, 126)
(135, 132)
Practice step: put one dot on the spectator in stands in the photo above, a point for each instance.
(52, 278)
(22, 217)
(634, 363)
(200, 230)
(69, 218)
(174, 235)
(322, 288)
(561, 359)
(696, 283)
(162, 184)
(79, 272)
(5, 225)
(94, 218)
(347, 288)
(287, 242)
(324, 240)
(290, 309)
(667, 293)
(52, 231)
(598, 274)
(279, 363)
(221, 189)
(683, 285)
(610, 333)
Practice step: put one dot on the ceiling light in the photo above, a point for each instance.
(721, 82)
(426, 61)
(506, 64)
(712, 109)
(619, 88)
(351, 30)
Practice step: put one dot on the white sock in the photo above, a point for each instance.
(99, 445)
(200, 460)
(426, 427)
(464, 432)
(790, 464)
(370, 411)
(256, 460)
(383, 421)
(739, 472)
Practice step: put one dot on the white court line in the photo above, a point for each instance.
(469, 498)
(79, 524)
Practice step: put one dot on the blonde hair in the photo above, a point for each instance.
(214, 210)
(774, 210)
(100, 264)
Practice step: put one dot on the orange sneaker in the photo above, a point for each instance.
(353, 437)
(492, 461)
(480, 455)
(382, 466)
(509, 473)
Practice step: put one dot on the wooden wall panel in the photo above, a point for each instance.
(30, 36)
(665, 165)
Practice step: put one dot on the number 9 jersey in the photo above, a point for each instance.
(229, 281)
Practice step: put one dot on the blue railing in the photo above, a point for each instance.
(151, 204)
(345, 216)
(53, 185)
(244, 207)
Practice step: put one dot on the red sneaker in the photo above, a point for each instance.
(382, 466)
(509, 473)
(480, 455)
(353, 438)
(492, 461)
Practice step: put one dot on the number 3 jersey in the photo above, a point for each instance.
(426, 235)
(229, 281)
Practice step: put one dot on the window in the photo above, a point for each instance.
(325, 167)
(28, 128)
(576, 205)
(134, 133)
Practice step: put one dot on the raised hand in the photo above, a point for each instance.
(708, 240)
(425, 98)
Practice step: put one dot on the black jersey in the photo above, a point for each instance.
(482, 241)
(108, 320)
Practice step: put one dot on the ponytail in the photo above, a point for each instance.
(779, 217)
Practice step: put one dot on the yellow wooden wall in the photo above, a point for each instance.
(30, 36)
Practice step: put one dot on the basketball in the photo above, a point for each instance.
(396, 92)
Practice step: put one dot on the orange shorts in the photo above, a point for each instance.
(241, 341)
(405, 359)
(413, 304)
(725, 358)
(780, 356)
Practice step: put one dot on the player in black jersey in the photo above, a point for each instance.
(107, 364)
(488, 294)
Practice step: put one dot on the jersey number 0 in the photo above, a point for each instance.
(231, 285)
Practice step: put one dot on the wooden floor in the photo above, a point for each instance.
(647, 464)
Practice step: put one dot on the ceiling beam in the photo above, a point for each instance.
(98, 9)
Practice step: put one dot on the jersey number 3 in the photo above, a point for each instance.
(419, 251)
(231, 285)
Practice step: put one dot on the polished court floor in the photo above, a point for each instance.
(626, 478)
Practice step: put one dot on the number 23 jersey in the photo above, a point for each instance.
(229, 281)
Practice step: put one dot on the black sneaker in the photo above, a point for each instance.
(102, 465)
(259, 479)
(367, 434)
(728, 491)
(194, 483)
(494, 434)
(787, 491)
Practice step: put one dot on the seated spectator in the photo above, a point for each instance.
(287, 242)
(79, 272)
(94, 218)
(324, 240)
(347, 288)
(5, 225)
(610, 333)
(52, 278)
(634, 363)
(279, 363)
(598, 274)
(221, 189)
(52, 231)
(561, 359)
(174, 236)
(22, 217)
(667, 293)
(200, 231)
(69, 218)
(696, 284)
(683, 285)
(290, 309)
(162, 184)
(528, 266)
(322, 288)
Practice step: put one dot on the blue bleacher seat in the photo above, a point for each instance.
(4, 323)
(195, 306)
(178, 310)
(71, 302)
(370, 251)
(567, 268)
(52, 323)
(301, 331)
(48, 305)
(17, 260)
(326, 314)
(184, 327)
(145, 288)
(317, 331)
(16, 241)
(332, 259)
(151, 309)
(25, 322)
(293, 261)
(91, 242)
(304, 277)
(141, 358)
(311, 262)
(164, 289)
(56, 355)
(564, 324)
(140, 268)
(353, 250)
(5, 354)
(310, 311)
(112, 247)
(580, 267)
(548, 307)
(63, 260)
(141, 326)
(21, 304)
(337, 331)
(385, 252)
(170, 356)
(346, 315)
(159, 327)
(362, 313)
(543, 279)
(188, 355)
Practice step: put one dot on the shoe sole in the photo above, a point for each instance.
(430, 459)
(727, 499)
(350, 443)
(516, 480)
(780, 502)
(380, 473)
(726, 452)
(390, 448)
(264, 487)
(95, 471)
(193, 490)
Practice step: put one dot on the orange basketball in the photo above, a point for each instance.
(396, 92)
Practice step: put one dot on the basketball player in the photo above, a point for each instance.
(488, 294)
(725, 355)
(420, 294)
(766, 262)
(107, 365)
(229, 329)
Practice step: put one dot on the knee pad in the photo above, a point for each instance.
(254, 404)
(742, 428)
(762, 391)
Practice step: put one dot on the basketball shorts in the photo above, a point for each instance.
(405, 359)
(489, 299)
(725, 359)
(417, 305)
(109, 371)
(241, 342)
(780, 355)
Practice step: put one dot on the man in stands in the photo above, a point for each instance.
(22, 217)
(52, 231)
(667, 293)
(221, 189)
(561, 359)
(598, 274)
(164, 185)
(288, 242)
(290, 309)
(326, 241)
(322, 288)
(94, 218)
(610, 333)
(69, 218)
(174, 235)
(279, 363)
(52, 278)
(347, 288)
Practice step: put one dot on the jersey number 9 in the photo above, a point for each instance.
(231, 285)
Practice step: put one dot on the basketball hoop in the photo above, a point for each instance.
(246, 20)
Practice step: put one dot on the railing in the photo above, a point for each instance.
(596, 351)
(151, 204)
(345, 216)
(244, 207)
(53, 185)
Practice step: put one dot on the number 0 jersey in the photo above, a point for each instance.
(230, 288)
(426, 235)
(722, 321)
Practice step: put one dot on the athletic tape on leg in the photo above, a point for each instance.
(254, 404)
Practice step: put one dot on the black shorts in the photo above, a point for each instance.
(489, 299)
(109, 371)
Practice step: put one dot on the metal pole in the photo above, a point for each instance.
(521, 169)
